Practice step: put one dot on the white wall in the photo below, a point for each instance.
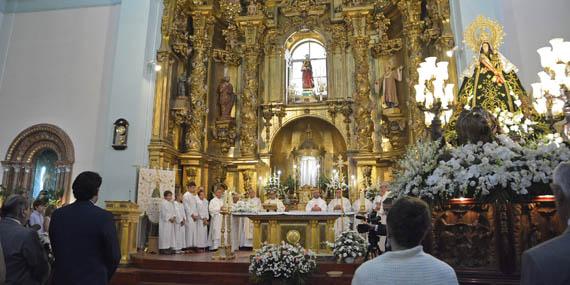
(528, 24)
(57, 70)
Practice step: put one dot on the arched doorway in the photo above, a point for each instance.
(39, 159)
(305, 150)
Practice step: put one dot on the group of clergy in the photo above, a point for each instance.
(184, 221)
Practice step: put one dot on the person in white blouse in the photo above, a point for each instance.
(246, 237)
(317, 204)
(201, 238)
(409, 220)
(214, 207)
(340, 204)
(166, 224)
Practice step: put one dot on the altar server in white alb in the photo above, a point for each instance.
(342, 205)
(189, 201)
(246, 237)
(215, 206)
(179, 228)
(166, 224)
(237, 224)
(201, 237)
(317, 204)
(275, 201)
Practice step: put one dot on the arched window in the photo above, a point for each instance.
(307, 72)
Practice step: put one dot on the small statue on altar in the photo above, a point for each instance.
(252, 8)
(388, 87)
(307, 69)
(490, 81)
(226, 98)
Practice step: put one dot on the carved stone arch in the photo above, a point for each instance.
(306, 135)
(291, 119)
(18, 165)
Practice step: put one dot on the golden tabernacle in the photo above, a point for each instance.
(309, 229)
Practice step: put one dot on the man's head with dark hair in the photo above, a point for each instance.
(16, 207)
(167, 195)
(192, 187)
(86, 186)
(39, 205)
(408, 222)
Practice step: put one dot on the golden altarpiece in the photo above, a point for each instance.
(234, 101)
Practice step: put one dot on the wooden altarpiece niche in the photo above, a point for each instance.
(19, 165)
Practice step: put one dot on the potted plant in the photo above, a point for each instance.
(349, 246)
(282, 264)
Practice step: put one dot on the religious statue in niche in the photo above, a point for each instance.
(182, 80)
(307, 69)
(226, 98)
(252, 8)
(490, 81)
(388, 87)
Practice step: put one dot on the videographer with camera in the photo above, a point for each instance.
(408, 222)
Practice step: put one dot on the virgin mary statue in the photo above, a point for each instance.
(491, 80)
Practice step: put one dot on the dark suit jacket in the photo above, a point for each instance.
(548, 262)
(85, 245)
(26, 260)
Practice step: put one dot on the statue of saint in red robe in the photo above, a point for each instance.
(307, 69)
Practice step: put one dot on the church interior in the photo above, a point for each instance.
(285, 98)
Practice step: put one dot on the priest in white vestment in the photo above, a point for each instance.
(214, 207)
(179, 229)
(236, 224)
(246, 237)
(201, 238)
(367, 206)
(379, 199)
(189, 201)
(316, 204)
(275, 201)
(166, 224)
(340, 204)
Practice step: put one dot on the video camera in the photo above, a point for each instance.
(373, 226)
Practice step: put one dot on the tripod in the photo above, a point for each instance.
(373, 248)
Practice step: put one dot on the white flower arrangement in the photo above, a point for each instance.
(336, 182)
(371, 192)
(282, 262)
(245, 206)
(515, 124)
(418, 163)
(349, 244)
(478, 170)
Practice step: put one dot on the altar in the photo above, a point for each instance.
(309, 229)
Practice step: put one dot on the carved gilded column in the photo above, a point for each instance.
(166, 58)
(411, 13)
(203, 20)
(357, 17)
(253, 28)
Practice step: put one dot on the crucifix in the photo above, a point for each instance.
(340, 165)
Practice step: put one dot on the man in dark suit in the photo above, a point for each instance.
(549, 262)
(26, 262)
(84, 237)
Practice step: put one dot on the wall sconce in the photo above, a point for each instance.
(120, 134)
